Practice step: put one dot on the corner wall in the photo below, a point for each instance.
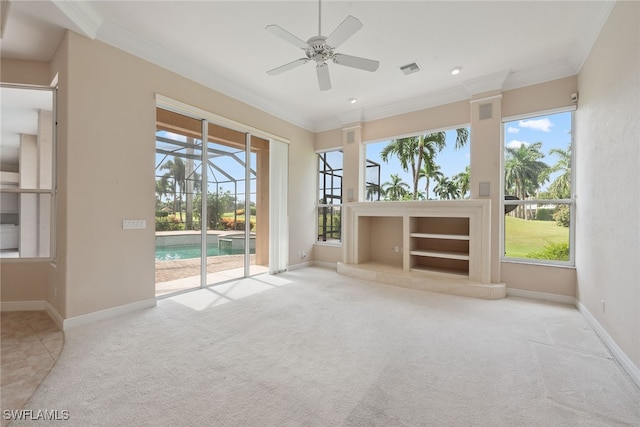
(608, 177)
(105, 162)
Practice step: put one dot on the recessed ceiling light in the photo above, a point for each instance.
(353, 100)
(456, 71)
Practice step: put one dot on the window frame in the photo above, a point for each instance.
(571, 201)
(365, 159)
(51, 192)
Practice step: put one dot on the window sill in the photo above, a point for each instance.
(539, 263)
(329, 244)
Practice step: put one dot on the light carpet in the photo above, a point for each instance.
(310, 347)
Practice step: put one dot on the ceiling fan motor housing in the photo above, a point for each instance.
(318, 49)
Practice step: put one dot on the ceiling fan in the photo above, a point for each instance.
(321, 49)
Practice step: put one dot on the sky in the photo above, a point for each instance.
(554, 131)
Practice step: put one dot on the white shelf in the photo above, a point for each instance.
(439, 236)
(445, 271)
(441, 254)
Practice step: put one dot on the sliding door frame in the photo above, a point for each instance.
(207, 118)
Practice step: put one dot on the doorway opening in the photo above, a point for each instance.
(212, 203)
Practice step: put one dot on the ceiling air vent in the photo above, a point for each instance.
(410, 68)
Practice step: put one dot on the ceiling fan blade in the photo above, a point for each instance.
(323, 76)
(346, 29)
(356, 62)
(287, 67)
(287, 36)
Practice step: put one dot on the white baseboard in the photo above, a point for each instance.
(84, 319)
(544, 296)
(621, 357)
(300, 265)
(57, 318)
(37, 305)
(331, 265)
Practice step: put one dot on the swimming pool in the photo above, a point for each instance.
(175, 252)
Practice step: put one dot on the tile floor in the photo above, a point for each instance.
(29, 347)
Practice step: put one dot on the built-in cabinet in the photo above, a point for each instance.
(442, 246)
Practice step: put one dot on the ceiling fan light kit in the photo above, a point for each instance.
(321, 49)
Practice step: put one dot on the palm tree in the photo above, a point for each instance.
(524, 171)
(463, 181)
(446, 188)
(560, 188)
(413, 151)
(430, 170)
(395, 189)
(176, 170)
(373, 192)
(162, 189)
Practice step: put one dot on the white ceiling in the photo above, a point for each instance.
(224, 45)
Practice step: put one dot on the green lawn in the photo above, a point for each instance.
(524, 237)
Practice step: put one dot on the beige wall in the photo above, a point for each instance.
(106, 146)
(25, 72)
(486, 158)
(608, 178)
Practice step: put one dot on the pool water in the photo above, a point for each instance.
(174, 252)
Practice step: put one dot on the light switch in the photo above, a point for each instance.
(134, 224)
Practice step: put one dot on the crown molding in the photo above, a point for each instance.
(545, 73)
(583, 46)
(487, 83)
(122, 39)
(83, 14)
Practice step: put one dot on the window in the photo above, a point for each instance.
(429, 166)
(27, 184)
(330, 171)
(538, 184)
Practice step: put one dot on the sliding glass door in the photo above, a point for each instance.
(212, 222)
(178, 174)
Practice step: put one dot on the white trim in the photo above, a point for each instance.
(423, 132)
(326, 264)
(542, 296)
(300, 265)
(620, 356)
(85, 319)
(540, 113)
(485, 98)
(34, 305)
(57, 318)
(83, 14)
(186, 109)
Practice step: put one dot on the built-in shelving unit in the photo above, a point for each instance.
(439, 245)
(442, 246)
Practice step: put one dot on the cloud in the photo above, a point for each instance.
(514, 143)
(513, 130)
(542, 124)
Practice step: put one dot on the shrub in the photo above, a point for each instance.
(562, 216)
(229, 224)
(169, 223)
(544, 214)
(552, 251)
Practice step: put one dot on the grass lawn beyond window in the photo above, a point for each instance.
(524, 237)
